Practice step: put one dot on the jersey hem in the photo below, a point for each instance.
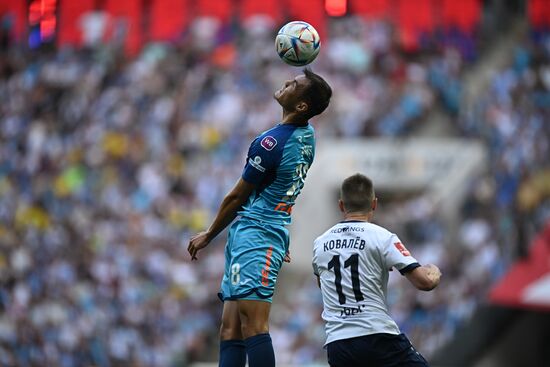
(244, 295)
(357, 335)
(264, 220)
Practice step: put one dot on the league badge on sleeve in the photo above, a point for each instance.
(402, 249)
(256, 163)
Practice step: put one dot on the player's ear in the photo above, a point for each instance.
(374, 204)
(302, 107)
(341, 206)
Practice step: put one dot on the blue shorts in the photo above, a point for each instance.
(376, 350)
(254, 255)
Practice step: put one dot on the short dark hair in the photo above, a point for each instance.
(357, 193)
(317, 94)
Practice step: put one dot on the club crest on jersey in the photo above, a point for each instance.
(268, 143)
(402, 249)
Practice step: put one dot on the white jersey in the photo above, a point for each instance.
(353, 260)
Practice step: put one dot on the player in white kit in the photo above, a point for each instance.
(352, 261)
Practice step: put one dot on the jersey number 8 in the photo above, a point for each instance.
(235, 273)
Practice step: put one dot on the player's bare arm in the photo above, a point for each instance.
(425, 278)
(229, 207)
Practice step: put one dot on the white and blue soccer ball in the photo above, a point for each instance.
(298, 43)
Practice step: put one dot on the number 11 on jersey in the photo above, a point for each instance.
(353, 263)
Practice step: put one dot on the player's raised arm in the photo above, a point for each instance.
(229, 207)
(424, 278)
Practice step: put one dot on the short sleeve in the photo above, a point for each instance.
(397, 256)
(315, 269)
(263, 156)
(314, 260)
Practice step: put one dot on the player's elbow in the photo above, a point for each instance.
(236, 198)
(240, 193)
(426, 285)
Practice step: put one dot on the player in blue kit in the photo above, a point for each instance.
(257, 245)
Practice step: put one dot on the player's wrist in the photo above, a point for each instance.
(209, 235)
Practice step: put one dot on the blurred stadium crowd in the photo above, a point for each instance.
(108, 165)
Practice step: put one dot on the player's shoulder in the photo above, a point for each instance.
(284, 129)
(379, 235)
(377, 229)
(303, 130)
(276, 137)
(287, 130)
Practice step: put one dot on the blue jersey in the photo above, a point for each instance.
(277, 162)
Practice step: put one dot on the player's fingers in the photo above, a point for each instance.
(192, 241)
(192, 250)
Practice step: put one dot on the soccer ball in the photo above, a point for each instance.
(298, 43)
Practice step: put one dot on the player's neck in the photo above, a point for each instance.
(362, 217)
(293, 118)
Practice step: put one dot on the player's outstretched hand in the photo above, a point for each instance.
(197, 242)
